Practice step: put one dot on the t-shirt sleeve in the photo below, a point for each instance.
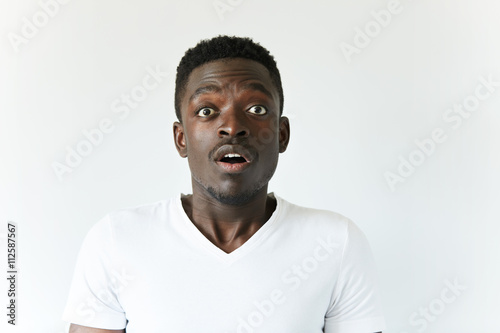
(355, 305)
(94, 293)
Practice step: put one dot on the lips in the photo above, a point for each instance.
(233, 158)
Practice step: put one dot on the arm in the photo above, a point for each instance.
(93, 305)
(84, 329)
(355, 305)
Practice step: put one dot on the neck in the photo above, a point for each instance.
(228, 226)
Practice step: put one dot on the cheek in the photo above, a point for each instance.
(267, 141)
(198, 147)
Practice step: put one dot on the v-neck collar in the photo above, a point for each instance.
(257, 238)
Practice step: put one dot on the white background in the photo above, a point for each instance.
(352, 118)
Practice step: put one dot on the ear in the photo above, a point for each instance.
(180, 139)
(284, 138)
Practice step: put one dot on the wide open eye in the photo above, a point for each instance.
(258, 110)
(205, 112)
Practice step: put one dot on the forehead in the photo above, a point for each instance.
(229, 67)
(225, 72)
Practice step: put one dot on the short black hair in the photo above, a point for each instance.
(222, 47)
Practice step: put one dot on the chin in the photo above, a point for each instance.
(233, 198)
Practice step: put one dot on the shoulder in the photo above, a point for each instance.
(131, 221)
(320, 228)
(140, 214)
(313, 218)
(322, 222)
(311, 225)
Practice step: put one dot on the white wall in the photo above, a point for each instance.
(352, 118)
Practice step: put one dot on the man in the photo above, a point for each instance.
(230, 257)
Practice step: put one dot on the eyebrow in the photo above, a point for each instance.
(204, 90)
(258, 87)
(216, 89)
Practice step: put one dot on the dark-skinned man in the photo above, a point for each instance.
(230, 257)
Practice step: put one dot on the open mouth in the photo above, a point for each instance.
(232, 162)
(233, 159)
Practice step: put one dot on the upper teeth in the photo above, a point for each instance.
(232, 155)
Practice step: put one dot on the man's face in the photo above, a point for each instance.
(231, 130)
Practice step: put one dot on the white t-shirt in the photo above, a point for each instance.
(150, 269)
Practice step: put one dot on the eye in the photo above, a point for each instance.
(258, 110)
(205, 112)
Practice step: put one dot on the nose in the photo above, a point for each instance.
(233, 125)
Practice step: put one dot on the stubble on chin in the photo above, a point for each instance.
(235, 199)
